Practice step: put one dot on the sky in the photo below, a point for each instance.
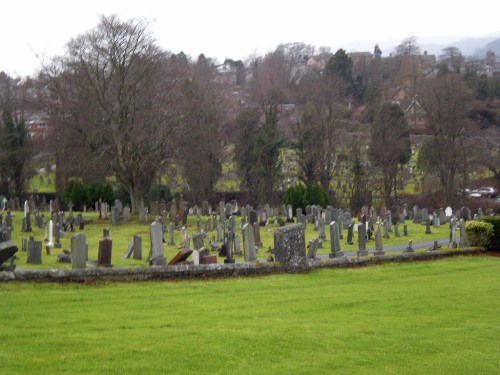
(34, 31)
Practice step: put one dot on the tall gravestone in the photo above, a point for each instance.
(290, 246)
(79, 251)
(157, 258)
(336, 252)
(379, 249)
(362, 252)
(249, 242)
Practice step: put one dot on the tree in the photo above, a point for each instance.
(199, 154)
(390, 146)
(320, 130)
(116, 88)
(445, 100)
(15, 155)
(453, 58)
(257, 153)
(407, 47)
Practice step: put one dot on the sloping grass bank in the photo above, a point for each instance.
(434, 317)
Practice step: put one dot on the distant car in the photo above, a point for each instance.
(484, 191)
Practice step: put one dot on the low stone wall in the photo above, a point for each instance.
(219, 270)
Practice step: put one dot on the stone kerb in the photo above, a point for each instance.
(217, 270)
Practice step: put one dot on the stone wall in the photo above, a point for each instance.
(219, 270)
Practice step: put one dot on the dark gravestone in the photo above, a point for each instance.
(181, 256)
(350, 230)
(252, 217)
(137, 247)
(290, 246)
(34, 255)
(362, 252)
(105, 250)
(7, 251)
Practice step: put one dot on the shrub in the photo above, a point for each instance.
(495, 240)
(77, 193)
(302, 195)
(478, 232)
(102, 191)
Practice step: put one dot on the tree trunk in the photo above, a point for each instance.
(136, 199)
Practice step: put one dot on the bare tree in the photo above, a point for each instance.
(445, 100)
(389, 145)
(116, 88)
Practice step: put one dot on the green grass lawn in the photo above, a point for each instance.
(123, 234)
(438, 317)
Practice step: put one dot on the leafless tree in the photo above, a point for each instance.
(116, 91)
(445, 100)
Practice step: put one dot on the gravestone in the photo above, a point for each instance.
(336, 252)
(424, 214)
(257, 239)
(405, 230)
(171, 235)
(7, 251)
(252, 217)
(350, 234)
(396, 231)
(237, 245)
(409, 249)
(263, 218)
(204, 208)
(289, 214)
(249, 242)
(156, 234)
(453, 237)
(34, 255)
(347, 219)
(197, 241)
(312, 248)
(463, 235)
(289, 246)
(104, 252)
(448, 213)
(379, 249)
(79, 251)
(428, 226)
(181, 256)
(362, 252)
(137, 241)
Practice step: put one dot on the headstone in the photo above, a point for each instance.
(347, 219)
(350, 234)
(428, 226)
(34, 255)
(396, 231)
(453, 237)
(312, 248)
(157, 258)
(171, 235)
(143, 216)
(237, 245)
(362, 252)
(257, 239)
(379, 249)
(424, 214)
(104, 253)
(409, 249)
(137, 247)
(405, 230)
(449, 213)
(197, 241)
(336, 252)
(290, 245)
(79, 251)
(249, 242)
(7, 251)
(289, 214)
(463, 235)
(126, 213)
(263, 218)
(252, 217)
(181, 256)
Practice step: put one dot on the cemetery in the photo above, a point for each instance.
(176, 240)
(64, 273)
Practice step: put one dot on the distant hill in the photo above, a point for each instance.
(434, 46)
(493, 46)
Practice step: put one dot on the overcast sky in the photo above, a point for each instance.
(31, 30)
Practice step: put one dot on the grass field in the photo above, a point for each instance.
(437, 317)
(122, 235)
